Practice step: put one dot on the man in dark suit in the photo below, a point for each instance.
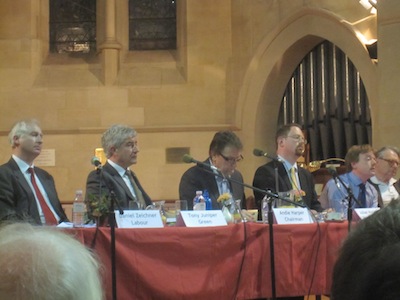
(290, 145)
(27, 192)
(224, 153)
(120, 145)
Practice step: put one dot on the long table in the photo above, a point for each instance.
(230, 262)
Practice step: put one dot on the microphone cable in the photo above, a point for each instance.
(314, 267)
(317, 248)
(244, 247)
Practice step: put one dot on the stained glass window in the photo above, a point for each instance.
(72, 26)
(152, 24)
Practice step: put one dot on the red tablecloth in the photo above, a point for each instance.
(218, 262)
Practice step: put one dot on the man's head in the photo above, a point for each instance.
(360, 159)
(368, 266)
(26, 140)
(387, 163)
(120, 145)
(290, 142)
(45, 263)
(225, 151)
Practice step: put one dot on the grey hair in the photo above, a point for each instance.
(115, 136)
(21, 128)
(381, 151)
(45, 263)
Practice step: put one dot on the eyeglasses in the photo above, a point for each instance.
(232, 160)
(391, 162)
(298, 138)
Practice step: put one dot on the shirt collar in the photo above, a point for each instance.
(375, 180)
(121, 171)
(354, 178)
(287, 164)
(22, 165)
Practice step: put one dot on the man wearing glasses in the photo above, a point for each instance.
(290, 145)
(387, 163)
(224, 153)
(360, 164)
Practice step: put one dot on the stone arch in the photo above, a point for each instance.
(277, 57)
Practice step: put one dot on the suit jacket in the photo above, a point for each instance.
(109, 179)
(264, 178)
(198, 178)
(17, 200)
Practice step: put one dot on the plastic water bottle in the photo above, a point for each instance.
(78, 209)
(199, 203)
(264, 209)
(207, 198)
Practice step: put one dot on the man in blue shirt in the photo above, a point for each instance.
(360, 163)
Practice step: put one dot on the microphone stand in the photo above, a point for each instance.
(207, 168)
(276, 175)
(349, 197)
(111, 221)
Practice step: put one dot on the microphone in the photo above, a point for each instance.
(258, 152)
(96, 162)
(332, 171)
(188, 159)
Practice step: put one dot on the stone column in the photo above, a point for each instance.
(386, 125)
(110, 48)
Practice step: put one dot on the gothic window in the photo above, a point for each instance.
(327, 97)
(152, 24)
(72, 26)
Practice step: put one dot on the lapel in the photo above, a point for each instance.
(30, 197)
(284, 181)
(302, 178)
(235, 187)
(146, 197)
(48, 186)
(212, 184)
(118, 180)
(22, 181)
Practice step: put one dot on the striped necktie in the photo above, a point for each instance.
(293, 179)
(138, 199)
(48, 214)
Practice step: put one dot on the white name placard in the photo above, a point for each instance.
(292, 216)
(139, 219)
(362, 213)
(203, 218)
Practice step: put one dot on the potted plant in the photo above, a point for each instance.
(98, 209)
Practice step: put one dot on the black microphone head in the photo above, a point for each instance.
(258, 152)
(187, 159)
(332, 170)
(96, 161)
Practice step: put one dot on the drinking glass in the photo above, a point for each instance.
(180, 205)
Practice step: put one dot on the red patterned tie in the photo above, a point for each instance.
(48, 215)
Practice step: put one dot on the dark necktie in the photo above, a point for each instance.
(139, 199)
(48, 215)
(362, 198)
